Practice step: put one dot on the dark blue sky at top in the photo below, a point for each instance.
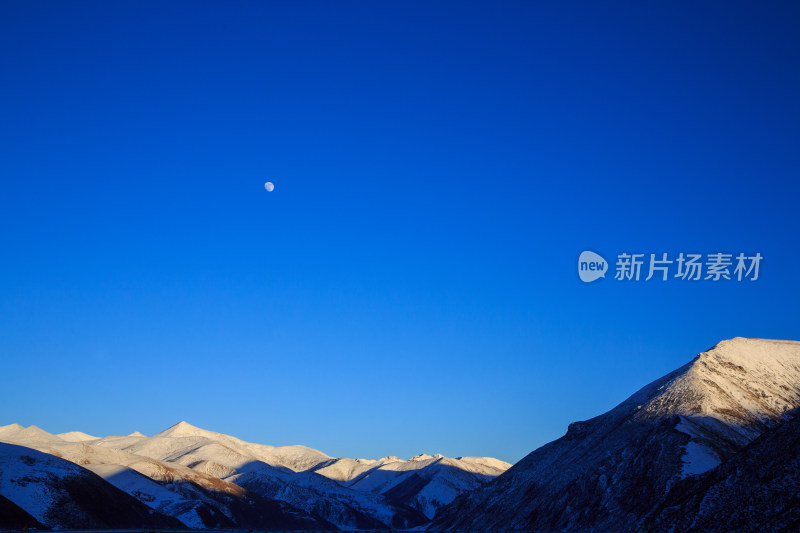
(410, 285)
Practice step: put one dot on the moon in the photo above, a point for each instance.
(269, 186)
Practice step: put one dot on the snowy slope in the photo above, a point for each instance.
(345, 469)
(75, 436)
(30, 479)
(149, 492)
(758, 489)
(280, 473)
(61, 494)
(195, 498)
(126, 471)
(424, 482)
(295, 458)
(609, 471)
(201, 477)
(27, 435)
(208, 479)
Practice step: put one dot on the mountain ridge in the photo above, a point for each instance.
(667, 456)
(605, 472)
(217, 471)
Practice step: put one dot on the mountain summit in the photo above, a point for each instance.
(185, 429)
(609, 472)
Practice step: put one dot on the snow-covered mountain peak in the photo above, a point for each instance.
(756, 353)
(30, 434)
(490, 462)
(739, 381)
(185, 429)
(76, 436)
(10, 429)
(679, 426)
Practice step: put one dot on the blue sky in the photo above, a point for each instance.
(410, 285)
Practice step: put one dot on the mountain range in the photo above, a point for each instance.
(190, 477)
(711, 446)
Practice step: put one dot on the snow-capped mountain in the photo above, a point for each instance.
(611, 471)
(424, 482)
(60, 494)
(206, 479)
(193, 498)
(75, 436)
(712, 445)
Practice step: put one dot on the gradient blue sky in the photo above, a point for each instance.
(410, 285)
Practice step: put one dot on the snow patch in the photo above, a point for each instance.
(698, 459)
